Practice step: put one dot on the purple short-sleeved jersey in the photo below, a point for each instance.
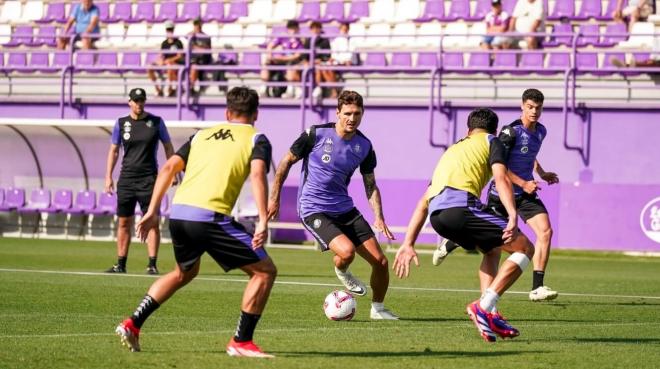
(328, 164)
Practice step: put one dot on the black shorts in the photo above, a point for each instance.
(132, 191)
(226, 240)
(470, 227)
(527, 205)
(326, 227)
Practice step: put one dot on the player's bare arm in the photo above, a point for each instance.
(373, 194)
(280, 176)
(528, 186)
(260, 193)
(172, 166)
(407, 252)
(169, 151)
(504, 189)
(113, 155)
(549, 177)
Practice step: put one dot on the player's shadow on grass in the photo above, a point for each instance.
(616, 340)
(378, 354)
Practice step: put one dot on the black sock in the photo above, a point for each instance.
(246, 325)
(121, 261)
(451, 246)
(146, 307)
(152, 261)
(538, 279)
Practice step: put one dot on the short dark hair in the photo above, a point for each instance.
(292, 24)
(242, 101)
(315, 24)
(348, 97)
(483, 118)
(534, 95)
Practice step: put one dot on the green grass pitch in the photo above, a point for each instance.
(607, 314)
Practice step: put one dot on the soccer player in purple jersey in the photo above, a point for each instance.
(522, 140)
(331, 153)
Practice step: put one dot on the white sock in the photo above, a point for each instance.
(489, 300)
(378, 306)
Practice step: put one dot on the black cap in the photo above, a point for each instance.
(496, 2)
(137, 94)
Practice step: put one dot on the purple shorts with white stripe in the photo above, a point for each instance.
(228, 242)
(470, 227)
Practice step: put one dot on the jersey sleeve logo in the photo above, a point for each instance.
(222, 134)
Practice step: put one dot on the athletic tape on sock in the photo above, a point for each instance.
(520, 259)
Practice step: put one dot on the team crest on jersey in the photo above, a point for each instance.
(150, 124)
(357, 148)
(317, 223)
(326, 158)
(127, 129)
(127, 136)
(525, 139)
(127, 124)
(327, 145)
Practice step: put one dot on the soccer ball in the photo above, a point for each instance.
(339, 305)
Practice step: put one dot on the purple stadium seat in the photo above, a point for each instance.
(590, 35)
(85, 203)
(107, 204)
(530, 62)
(359, 9)
(561, 61)
(54, 13)
(123, 12)
(104, 11)
(14, 199)
(168, 10)
(237, 9)
(40, 61)
(39, 201)
(509, 5)
(311, 11)
(586, 60)
(62, 201)
(151, 58)
(84, 60)
(459, 9)
(609, 11)
(131, 62)
(375, 60)
(556, 39)
(401, 59)
(482, 8)
(61, 59)
(479, 62)
(562, 8)
(607, 63)
(589, 9)
(145, 12)
(505, 60)
(16, 59)
(334, 11)
(22, 35)
(45, 36)
(427, 59)
(452, 61)
(251, 61)
(215, 11)
(190, 11)
(434, 10)
(614, 33)
(108, 61)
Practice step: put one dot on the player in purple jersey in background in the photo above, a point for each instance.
(331, 153)
(522, 140)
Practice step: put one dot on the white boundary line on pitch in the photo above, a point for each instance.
(338, 328)
(293, 283)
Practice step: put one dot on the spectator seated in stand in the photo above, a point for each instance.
(636, 11)
(321, 56)
(497, 23)
(200, 45)
(85, 20)
(290, 56)
(169, 57)
(343, 53)
(528, 17)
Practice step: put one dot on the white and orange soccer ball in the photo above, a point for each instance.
(339, 305)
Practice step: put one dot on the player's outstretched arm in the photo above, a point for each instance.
(174, 165)
(113, 154)
(505, 191)
(280, 176)
(260, 193)
(373, 194)
(407, 252)
(549, 177)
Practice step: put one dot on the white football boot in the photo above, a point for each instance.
(543, 293)
(351, 283)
